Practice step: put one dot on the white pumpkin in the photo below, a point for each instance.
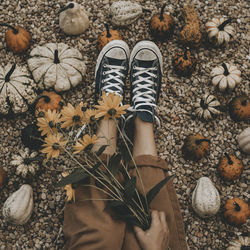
(207, 107)
(16, 89)
(125, 12)
(239, 244)
(73, 19)
(226, 76)
(205, 198)
(244, 140)
(56, 65)
(219, 31)
(18, 208)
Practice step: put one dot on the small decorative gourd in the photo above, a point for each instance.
(17, 89)
(184, 63)
(3, 177)
(56, 66)
(73, 19)
(239, 108)
(219, 31)
(17, 209)
(207, 107)
(31, 137)
(124, 13)
(205, 198)
(230, 168)
(106, 36)
(49, 100)
(236, 211)
(244, 140)
(161, 25)
(190, 35)
(242, 243)
(226, 76)
(17, 38)
(195, 147)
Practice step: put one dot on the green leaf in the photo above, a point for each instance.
(129, 188)
(74, 177)
(155, 190)
(101, 150)
(125, 153)
(114, 163)
(97, 165)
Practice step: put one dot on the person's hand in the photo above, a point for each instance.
(157, 236)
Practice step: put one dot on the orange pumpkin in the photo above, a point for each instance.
(49, 100)
(184, 63)
(239, 108)
(106, 36)
(195, 147)
(236, 211)
(17, 38)
(161, 25)
(230, 168)
(2, 177)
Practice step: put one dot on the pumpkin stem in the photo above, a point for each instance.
(162, 11)
(45, 98)
(221, 26)
(230, 162)
(107, 30)
(198, 142)
(15, 31)
(203, 104)
(7, 77)
(226, 72)
(237, 207)
(185, 53)
(56, 58)
(69, 6)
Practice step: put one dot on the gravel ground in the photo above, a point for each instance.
(43, 231)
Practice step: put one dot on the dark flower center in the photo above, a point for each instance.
(27, 161)
(41, 114)
(203, 104)
(92, 118)
(56, 146)
(76, 118)
(51, 124)
(112, 112)
(83, 109)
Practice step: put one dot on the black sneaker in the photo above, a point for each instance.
(112, 68)
(145, 77)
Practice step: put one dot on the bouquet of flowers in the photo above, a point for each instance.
(72, 132)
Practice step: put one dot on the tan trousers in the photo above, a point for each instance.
(87, 226)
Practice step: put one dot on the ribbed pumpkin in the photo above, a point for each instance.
(244, 140)
(49, 100)
(239, 108)
(17, 38)
(106, 36)
(236, 211)
(230, 168)
(161, 25)
(184, 63)
(195, 147)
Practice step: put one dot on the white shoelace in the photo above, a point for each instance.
(114, 73)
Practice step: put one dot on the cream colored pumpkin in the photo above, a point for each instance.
(226, 76)
(17, 209)
(239, 244)
(73, 19)
(205, 198)
(244, 140)
(125, 12)
(56, 66)
(16, 89)
(207, 107)
(219, 31)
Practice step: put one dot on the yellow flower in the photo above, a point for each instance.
(84, 143)
(72, 116)
(109, 106)
(70, 192)
(90, 115)
(53, 145)
(47, 123)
